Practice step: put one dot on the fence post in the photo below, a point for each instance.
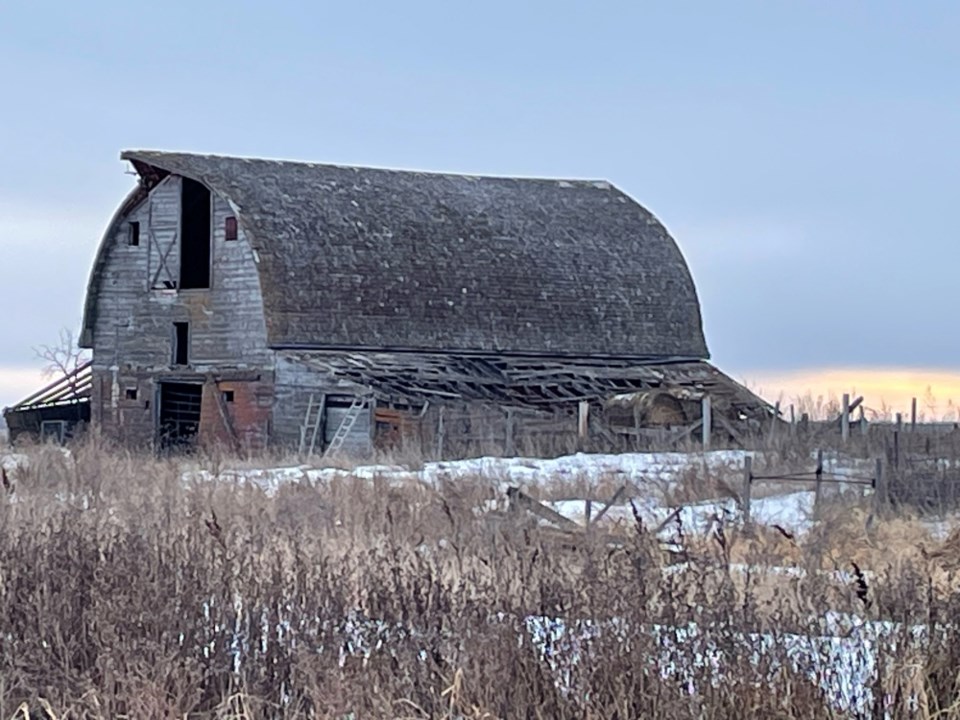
(793, 420)
(583, 426)
(747, 482)
(440, 433)
(509, 447)
(845, 418)
(913, 415)
(707, 426)
(879, 486)
(818, 492)
(773, 422)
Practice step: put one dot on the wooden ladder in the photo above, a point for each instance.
(346, 425)
(311, 424)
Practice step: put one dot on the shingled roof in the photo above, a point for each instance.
(369, 258)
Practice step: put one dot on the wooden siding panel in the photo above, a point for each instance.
(295, 383)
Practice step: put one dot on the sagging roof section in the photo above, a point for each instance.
(68, 389)
(531, 382)
(371, 258)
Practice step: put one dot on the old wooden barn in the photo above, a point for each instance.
(257, 302)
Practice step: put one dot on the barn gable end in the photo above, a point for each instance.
(135, 304)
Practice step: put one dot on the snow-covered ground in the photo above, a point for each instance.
(793, 511)
(839, 654)
(637, 468)
(840, 657)
(648, 477)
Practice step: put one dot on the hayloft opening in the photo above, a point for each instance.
(194, 235)
(181, 343)
(133, 238)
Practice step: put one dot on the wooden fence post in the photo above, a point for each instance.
(913, 415)
(818, 492)
(845, 418)
(773, 423)
(863, 422)
(793, 420)
(747, 482)
(707, 427)
(879, 486)
(583, 422)
(509, 445)
(440, 433)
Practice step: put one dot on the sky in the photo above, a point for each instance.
(805, 156)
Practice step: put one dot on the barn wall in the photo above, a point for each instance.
(134, 319)
(132, 339)
(295, 382)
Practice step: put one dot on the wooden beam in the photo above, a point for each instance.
(583, 417)
(613, 501)
(706, 425)
(524, 501)
(845, 418)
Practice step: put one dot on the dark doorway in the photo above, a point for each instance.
(194, 235)
(179, 415)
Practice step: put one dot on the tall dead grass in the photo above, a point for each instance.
(126, 591)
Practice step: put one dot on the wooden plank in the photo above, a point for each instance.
(818, 490)
(706, 425)
(524, 501)
(747, 488)
(734, 433)
(845, 418)
(684, 432)
(613, 501)
(583, 415)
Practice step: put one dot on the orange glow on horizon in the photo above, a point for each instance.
(886, 391)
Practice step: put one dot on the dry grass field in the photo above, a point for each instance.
(128, 591)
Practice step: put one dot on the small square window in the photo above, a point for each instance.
(230, 228)
(133, 234)
(228, 395)
(130, 393)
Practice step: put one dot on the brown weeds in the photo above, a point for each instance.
(127, 591)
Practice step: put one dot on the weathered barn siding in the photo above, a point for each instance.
(135, 324)
(134, 316)
(295, 382)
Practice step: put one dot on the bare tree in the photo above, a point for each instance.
(63, 359)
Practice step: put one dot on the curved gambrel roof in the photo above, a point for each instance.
(372, 258)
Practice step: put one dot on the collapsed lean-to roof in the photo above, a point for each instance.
(369, 258)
